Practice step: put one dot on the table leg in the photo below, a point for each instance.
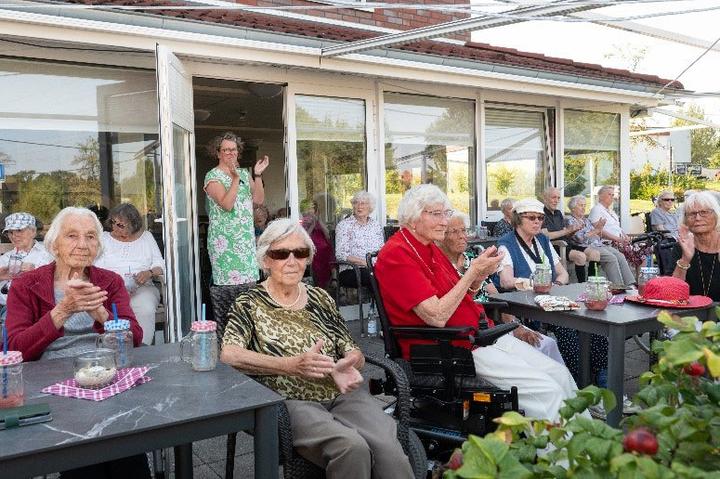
(183, 461)
(616, 371)
(585, 374)
(266, 443)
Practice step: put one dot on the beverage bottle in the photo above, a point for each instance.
(372, 322)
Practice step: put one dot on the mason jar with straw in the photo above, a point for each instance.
(13, 392)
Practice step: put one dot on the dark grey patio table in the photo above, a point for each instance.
(616, 323)
(177, 407)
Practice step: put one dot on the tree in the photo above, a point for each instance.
(504, 178)
(704, 142)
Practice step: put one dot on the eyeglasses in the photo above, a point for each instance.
(228, 150)
(668, 199)
(698, 214)
(533, 217)
(284, 253)
(119, 225)
(439, 214)
(458, 232)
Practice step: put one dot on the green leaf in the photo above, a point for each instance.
(577, 445)
(609, 401)
(598, 449)
(713, 362)
(513, 418)
(682, 351)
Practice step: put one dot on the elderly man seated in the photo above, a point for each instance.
(25, 255)
(661, 218)
(554, 227)
(421, 287)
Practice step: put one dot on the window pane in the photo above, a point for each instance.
(331, 154)
(592, 153)
(429, 140)
(89, 138)
(516, 156)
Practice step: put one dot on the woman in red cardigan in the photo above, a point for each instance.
(59, 309)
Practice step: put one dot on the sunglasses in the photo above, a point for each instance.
(668, 199)
(298, 253)
(534, 217)
(118, 224)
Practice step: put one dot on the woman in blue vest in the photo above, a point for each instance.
(525, 247)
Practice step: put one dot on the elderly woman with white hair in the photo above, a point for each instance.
(454, 245)
(503, 226)
(25, 255)
(293, 339)
(661, 218)
(355, 237)
(59, 309)
(696, 253)
(421, 287)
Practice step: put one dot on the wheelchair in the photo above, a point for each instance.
(448, 400)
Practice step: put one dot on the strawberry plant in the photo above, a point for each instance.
(675, 435)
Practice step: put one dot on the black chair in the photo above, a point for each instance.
(294, 465)
(390, 230)
(449, 400)
(356, 269)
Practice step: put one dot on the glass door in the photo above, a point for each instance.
(175, 98)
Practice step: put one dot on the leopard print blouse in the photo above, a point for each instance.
(257, 323)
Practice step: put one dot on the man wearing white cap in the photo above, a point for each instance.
(25, 255)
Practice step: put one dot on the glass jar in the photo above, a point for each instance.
(200, 347)
(542, 278)
(646, 274)
(119, 338)
(95, 369)
(12, 389)
(15, 262)
(597, 293)
(130, 283)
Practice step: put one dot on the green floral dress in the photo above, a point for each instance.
(231, 234)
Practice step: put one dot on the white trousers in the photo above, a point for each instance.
(144, 302)
(543, 383)
(548, 346)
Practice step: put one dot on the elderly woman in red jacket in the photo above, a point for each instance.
(59, 309)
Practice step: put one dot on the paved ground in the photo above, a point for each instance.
(209, 456)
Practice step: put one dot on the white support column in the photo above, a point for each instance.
(292, 174)
(377, 178)
(625, 165)
(480, 179)
(560, 149)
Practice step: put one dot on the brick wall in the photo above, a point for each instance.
(404, 19)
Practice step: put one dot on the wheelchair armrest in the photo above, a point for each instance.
(429, 332)
(486, 337)
(396, 374)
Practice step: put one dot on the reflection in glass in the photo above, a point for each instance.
(592, 153)
(89, 138)
(429, 140)
(516, 155)
(331, 154)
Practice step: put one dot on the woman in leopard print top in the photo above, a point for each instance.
(292, 338)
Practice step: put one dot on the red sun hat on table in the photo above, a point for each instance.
(669, 292)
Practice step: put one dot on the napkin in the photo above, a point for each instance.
(126, 378)
(555, 303)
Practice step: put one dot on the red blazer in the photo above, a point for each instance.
(29, 325)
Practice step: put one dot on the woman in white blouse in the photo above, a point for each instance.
(132, 252)
(356, 236)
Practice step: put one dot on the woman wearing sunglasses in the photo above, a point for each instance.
(526, 247)
(698, 245)
(661, 218)
(292, 338)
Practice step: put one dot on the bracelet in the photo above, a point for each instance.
(473, 291)
(683, 267)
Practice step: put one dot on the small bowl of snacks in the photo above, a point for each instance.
(95, 369)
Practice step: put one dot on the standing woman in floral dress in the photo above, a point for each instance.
(231, 194)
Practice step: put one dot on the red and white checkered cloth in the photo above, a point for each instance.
(126, 378)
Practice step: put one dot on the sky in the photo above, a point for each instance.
(587, 42)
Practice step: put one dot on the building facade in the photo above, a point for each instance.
(104, 106)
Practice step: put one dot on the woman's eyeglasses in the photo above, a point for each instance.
(122, 226)
(284, 253)
(439, 214)
(698, 214)
(534, 217)
(228, 150)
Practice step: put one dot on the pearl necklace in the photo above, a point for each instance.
(402, 233)
(286, 306)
